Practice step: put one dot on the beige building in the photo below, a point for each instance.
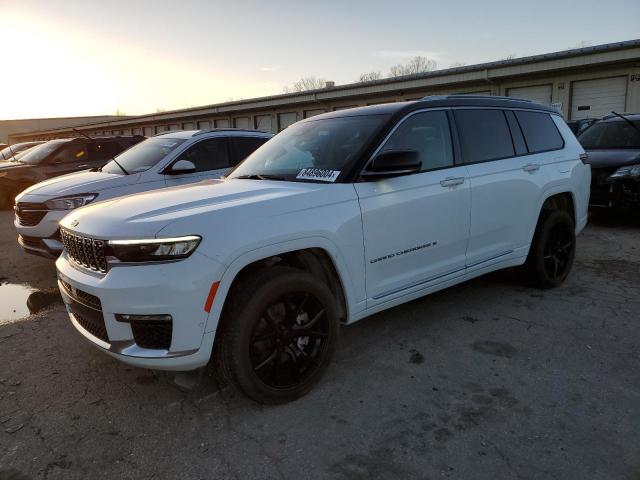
(8, 128)
(581, 83)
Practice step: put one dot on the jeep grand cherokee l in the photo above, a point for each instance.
(337, 217)
(166, 160)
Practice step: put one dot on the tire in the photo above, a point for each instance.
(552, 250)
(261, 349)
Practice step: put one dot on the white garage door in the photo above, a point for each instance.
(595, 98)
(539, 93)
(241, 122)
(286, 119)
(263, 122)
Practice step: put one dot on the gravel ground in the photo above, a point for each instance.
(487, 380)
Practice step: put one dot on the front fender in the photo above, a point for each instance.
(353, 289)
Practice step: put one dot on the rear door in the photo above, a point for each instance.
(416, 227)
(211, 158)
(505, 183)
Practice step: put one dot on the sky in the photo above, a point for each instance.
(72, 57)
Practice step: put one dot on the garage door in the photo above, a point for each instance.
(595, 98)
(286, 119)
(539, 93)
(263, 122)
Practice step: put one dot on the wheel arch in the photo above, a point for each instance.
(562, 198)
(318, 256)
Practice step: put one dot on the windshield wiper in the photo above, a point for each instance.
(626, 120)
(255, 176)
(121, 167)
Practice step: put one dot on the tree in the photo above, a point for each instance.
(417, 64)
(120, 113)
(304, 84)
(368, 77)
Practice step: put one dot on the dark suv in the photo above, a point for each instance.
(58, 157)
(613, 146)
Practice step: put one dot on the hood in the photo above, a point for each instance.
(228, 201)
(6, 165)
(613, 158)
(80, 182)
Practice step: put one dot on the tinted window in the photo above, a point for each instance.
(539, 131)
(72, 153)
(484, 135)
(427, 133)
(41, 152)
(209, 154)
(245, 146)
(104, 150)
(143, 155)
(616, 134)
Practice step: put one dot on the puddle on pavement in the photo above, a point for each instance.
(19, 301)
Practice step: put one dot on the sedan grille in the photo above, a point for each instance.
(86, 252)
(30, 214)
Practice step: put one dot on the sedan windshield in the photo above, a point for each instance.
(142, 156)
(39, 153)
(316, 150)
(617, 134)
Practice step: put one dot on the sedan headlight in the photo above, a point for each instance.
(70, 203)
(153, 249)
(630, 171)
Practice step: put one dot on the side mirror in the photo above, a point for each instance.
(393, 164)
(182, 166)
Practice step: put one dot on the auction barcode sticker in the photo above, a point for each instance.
(318, 174)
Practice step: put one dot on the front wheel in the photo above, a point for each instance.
(279, 335)
(552, 250)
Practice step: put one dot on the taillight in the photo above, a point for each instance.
(584, 157)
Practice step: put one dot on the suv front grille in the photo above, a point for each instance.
(85, 251)
(30, 214)
(82, 297)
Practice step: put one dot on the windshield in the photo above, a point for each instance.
(617, 134)
(143, 155)
(38, 153)
(317, 150)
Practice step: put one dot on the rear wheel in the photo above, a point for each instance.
(552, 250)
(279, 335)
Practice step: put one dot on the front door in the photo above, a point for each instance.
(416, 227)
(211, 158)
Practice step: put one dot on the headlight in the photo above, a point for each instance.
(70, 203)
(153, 249)
(630, 171)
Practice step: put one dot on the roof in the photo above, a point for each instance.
(437, 101)
(192, 133)
(614, 118)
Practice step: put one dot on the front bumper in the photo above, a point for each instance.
(621, 194)
(178, 289)
(43, 238)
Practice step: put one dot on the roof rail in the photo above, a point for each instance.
(471, 96)
(229, 129)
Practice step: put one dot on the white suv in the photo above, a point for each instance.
(166, 160)
(338, 217)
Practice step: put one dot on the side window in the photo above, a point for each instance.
(540, 132)
(484, 135)
(72, 153)
(103, 151)
(427, 133)
(244, 146)
(211, 154)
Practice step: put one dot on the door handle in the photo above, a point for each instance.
(452, 181)
(84, 165)
(531, 167)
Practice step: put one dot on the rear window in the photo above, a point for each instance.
(484, 134)
(540, 132)
(611, 134)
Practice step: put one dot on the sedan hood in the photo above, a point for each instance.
(613, 158)
(80, 182)
(224, 201)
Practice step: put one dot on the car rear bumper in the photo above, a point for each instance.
(624, 194)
